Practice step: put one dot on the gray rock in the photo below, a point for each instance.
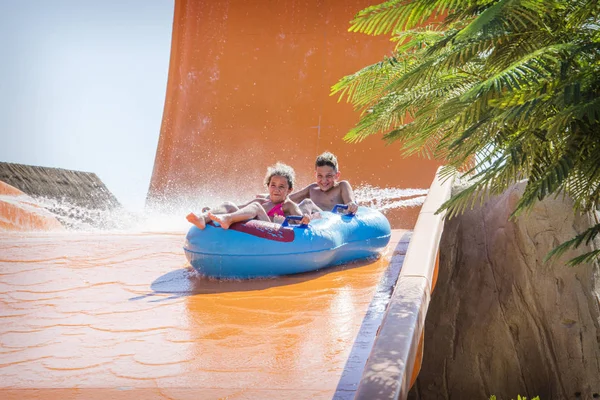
(503, 322)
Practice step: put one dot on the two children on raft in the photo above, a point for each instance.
(324, 194)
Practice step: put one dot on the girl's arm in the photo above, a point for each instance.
(291, 208)
(259, 201)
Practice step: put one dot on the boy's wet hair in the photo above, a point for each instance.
(327, 159)
(281, 169)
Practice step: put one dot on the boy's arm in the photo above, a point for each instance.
(301, 194)
(348, 196)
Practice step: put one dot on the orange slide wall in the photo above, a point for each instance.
(249, 85)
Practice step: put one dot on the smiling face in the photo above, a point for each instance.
(279, 188)
(326, 177)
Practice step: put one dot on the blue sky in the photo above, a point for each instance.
(82, 86)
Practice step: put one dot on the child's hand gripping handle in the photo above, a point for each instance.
(294, 218)
(342, 206)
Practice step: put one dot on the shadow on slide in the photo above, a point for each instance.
(185, 282)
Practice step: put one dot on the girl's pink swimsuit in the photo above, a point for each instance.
(277, 210)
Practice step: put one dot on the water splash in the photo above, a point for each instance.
(384, 199)
(75, 217)
(169, 215)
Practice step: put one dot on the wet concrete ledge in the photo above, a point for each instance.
(395, 358)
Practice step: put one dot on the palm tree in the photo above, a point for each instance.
(503, 90)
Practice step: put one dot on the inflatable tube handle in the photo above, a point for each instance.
(293, 218)
(342, 206)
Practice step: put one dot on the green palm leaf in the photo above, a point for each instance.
(503, 90)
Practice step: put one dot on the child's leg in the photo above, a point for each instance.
(202, 219)
(249, 212)
(198, 220)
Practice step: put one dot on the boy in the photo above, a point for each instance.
(327, 191)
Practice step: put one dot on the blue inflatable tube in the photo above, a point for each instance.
(257, 249)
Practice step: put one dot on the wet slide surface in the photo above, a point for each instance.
(122, 315)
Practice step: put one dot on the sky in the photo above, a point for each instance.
(82, 86)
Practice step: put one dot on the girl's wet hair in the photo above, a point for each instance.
(281, 169)
(327, 159)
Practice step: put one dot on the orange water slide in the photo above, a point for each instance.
(18, 212)
(249, 85)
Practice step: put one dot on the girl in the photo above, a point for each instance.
(279, 181)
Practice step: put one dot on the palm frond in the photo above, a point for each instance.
(586, 238)
(398, 15)
(503, 90)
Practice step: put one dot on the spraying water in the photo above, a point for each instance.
(169, 215)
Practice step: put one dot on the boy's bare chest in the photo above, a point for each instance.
(326, 200)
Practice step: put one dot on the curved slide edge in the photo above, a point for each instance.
(395, 358)
(18, 212)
